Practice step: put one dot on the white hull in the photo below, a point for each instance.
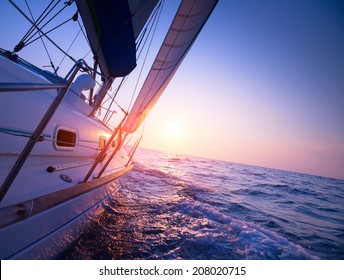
(50, 233)
(48, 205)
(57, 161)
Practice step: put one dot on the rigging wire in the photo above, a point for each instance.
(35, 29)
(112, 112)
(117, 89)
(156, 21)
(21, 44)
(45, 47)
(63, 58)
(123, 80)
(47, 32)
(35, 25)
(74, 17)
(113, 100)
(31, 35)
(142, 38)
(149, 23)
(85, 36)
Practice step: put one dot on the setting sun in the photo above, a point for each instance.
(174, 130)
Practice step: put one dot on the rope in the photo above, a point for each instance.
(63, 58)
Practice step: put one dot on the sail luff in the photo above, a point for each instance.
(188, 22)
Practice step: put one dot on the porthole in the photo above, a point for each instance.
(65, 139)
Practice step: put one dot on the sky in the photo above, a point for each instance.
(262, 85)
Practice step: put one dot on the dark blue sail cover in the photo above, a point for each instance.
(116, 36)
(112, 27)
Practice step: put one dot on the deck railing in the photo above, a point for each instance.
(62, 91)
(6, 87)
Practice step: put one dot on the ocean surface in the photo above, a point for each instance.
(182, 207)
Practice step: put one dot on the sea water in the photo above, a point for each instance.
(182, 207)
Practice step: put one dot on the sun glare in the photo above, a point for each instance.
(174, 130)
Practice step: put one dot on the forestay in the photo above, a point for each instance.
(188, 22)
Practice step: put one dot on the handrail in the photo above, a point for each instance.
(5, 87)
(39, 130)
(102, 153)
(118, 146)
(133, 150)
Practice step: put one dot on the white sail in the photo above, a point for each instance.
(188, 22)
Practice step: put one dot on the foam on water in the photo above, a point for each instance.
(179, 207)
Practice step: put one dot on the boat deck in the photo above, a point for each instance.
(42, 175)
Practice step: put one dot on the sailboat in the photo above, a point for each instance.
(59, 160)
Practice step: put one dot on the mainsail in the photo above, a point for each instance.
(188, 22)
(112, 28)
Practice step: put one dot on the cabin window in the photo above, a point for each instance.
(65, 139)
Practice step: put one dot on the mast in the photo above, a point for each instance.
(112, 28)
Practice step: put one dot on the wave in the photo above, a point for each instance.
(179, 207)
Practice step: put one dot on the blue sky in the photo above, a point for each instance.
(262, 85)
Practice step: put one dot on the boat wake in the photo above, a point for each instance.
(164, 213)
